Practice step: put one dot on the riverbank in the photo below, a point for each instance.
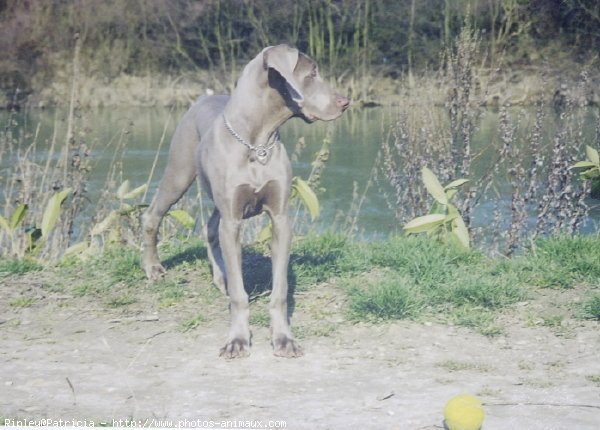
(399, 278)
(504, 86)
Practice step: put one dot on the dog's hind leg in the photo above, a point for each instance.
(177, 179)
(214, 251)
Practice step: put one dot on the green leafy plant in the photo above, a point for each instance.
(443, 221)
(110, 227)
(128, 213)
(10, 226)
(118, 225)
(34, 236)
(590, 169)
(306, 196)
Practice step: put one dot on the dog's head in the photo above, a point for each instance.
(296, 77)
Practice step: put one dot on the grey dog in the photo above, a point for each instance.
(231, 144)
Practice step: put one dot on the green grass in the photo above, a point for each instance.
(420, 276)
(461, 366)
(112, 277)
(419, 256)
(399, 278)
(390, 298)
(260, 316)
(120, 301)
(591, 307)
(318, 258)
(562, 262)
(323, 329)
(552, 321)
(85, 289)
(122, 265)
(580, 255)
(22, 302)
(594, 379)
(184, 254)
(412, 277)
(18, 267)
(477, 287)
(192, 323)
(478, 319)
(170, 292)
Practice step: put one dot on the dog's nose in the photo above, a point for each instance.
(343, 102)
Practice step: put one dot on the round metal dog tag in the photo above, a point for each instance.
(262, 154)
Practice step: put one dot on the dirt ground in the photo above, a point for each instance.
(64, 357)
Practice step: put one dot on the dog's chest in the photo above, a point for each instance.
(259, 191)
(257, 176)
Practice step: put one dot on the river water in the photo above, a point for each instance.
(132, 138)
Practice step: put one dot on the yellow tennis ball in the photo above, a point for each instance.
(464, 412)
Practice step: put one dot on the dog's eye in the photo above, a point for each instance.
(314, 72)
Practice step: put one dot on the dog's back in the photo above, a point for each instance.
(195, 123)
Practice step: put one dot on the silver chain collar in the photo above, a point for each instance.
(262, 152)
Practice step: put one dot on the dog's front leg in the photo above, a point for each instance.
(284, 344)
(238, 343)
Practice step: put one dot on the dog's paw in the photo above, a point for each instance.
(284, 346)
(154, 271)
(235, 348)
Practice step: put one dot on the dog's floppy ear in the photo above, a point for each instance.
(283, 59)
